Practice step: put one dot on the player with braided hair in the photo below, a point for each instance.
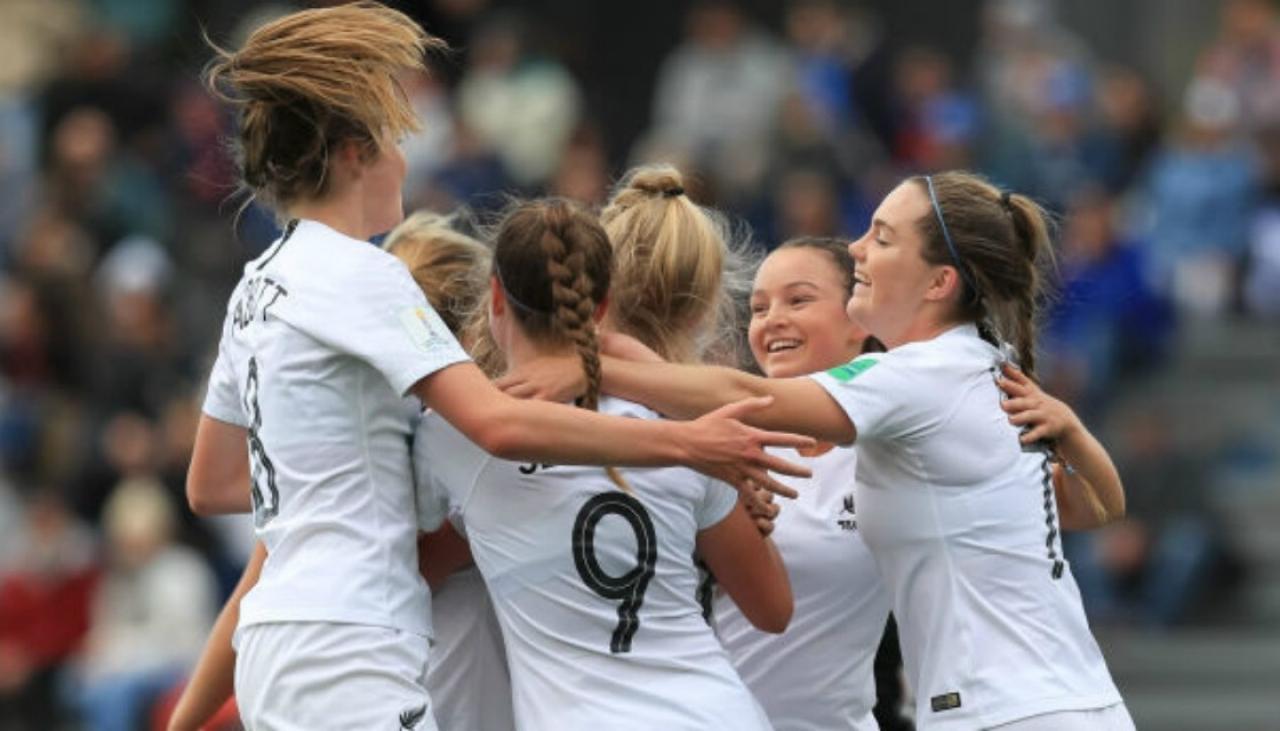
(593, 577)
(304, 419)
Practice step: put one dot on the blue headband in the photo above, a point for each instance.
(942, 223)
(527, 309)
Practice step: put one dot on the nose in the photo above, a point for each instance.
(858, 249)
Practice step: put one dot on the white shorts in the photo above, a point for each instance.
(320, 675)
(1111, 718)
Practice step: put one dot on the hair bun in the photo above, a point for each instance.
(659, 180)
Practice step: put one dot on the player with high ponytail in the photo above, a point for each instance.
(961, 494)
(592, 575)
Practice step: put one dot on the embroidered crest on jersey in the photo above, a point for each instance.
(852, 370)
(411, 718)
(425, 328)
(850, 523)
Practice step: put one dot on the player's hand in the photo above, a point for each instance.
(721, 446)
(556, 378)
(626, 347)
(762, 509)
(1045, 417)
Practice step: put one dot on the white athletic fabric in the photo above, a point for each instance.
(531, 526)
(962, 524)
(816, 676)
(323, 336)
(319, 676)
(468, 677)
(1111, 718)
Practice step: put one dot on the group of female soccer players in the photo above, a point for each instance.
(563, 547)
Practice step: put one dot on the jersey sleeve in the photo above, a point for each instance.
(222, 400)
(375, 312)
(717, 502)
(876, 393)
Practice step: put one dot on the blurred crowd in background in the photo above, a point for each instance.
(121, 238)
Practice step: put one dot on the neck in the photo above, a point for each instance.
(520, 350)
(920, 331)
(343, 214)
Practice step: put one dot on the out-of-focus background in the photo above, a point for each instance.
(1152, 127)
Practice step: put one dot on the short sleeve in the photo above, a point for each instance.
(717, 502)
(222, 400)
(375, 312)
(445, 467)
(875, 392)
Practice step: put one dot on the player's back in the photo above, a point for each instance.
(595, 588)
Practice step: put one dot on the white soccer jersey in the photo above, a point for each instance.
(816, 676)
(468, 677)
(323, 336)
(594, 588)
(961, 521)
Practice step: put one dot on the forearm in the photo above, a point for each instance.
(678, 391)
(561, 434)
(212, 681)
(1094, 491)
(799, 405)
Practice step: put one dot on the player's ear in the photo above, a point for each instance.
(497, 298)
(601, 308)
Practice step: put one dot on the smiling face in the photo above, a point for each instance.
(798, 323)
(896, 293)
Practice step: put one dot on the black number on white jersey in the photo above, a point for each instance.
(261, 472)
(627, 589)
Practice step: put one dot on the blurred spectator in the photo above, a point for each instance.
(1024, 54)
(151, 614)
(583, 171)
(716, 99)
(45, 589)
(936, 122)
(1151, 567)
(1262, 278)
(520, 103)
(1107, 321)
(1129, 117)
(1245, 59)
(1203, 187)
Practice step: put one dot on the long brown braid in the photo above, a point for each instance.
(555, 302)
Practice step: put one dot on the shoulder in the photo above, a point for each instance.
(325, 254)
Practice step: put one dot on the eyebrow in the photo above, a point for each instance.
(883, 224)
(789, 285)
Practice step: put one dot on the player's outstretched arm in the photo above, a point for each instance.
(748, 567)
(718, 444)
(1090, 494)
(218, 480)
(213, 679)
(680, 391)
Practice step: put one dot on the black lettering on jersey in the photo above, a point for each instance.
(627, 589)
(945, 702)
(529, 469)
(262, 473)
(260, 293)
